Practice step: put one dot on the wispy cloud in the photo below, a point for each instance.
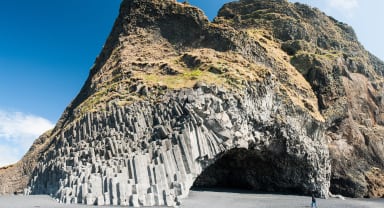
(347, 7)
(17, 133)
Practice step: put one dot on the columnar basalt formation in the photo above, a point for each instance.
(347, 80)
(150, 153)
(172, 97)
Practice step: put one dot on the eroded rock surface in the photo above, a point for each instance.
(150, 153)
(271, 96)
(346, 79)
(15, 178)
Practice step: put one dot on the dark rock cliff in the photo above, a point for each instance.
(346, 79)
(271, 96)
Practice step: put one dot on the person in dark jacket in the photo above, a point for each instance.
(313, 204)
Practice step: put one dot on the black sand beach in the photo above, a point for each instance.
(212, 199)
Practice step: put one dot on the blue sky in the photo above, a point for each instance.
(47, 48)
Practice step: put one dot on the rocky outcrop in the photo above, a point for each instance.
(346, 79)
(257, 99)
(15, 178)
(150, 153)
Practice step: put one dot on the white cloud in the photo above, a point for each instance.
(8, 155)
(345, 6)
(17, 133)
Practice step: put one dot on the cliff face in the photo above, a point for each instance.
(260, 98)
(346, 79)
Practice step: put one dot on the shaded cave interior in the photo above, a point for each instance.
(246, 170)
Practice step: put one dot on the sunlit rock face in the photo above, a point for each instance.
(151, 153)
(347, 81)
(175, 101)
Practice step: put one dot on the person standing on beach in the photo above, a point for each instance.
(313, 204)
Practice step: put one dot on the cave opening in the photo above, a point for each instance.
(243, 170)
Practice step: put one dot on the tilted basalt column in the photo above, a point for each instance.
(148, 153)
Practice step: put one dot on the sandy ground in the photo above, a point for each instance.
(247, 200)
(211, 199)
